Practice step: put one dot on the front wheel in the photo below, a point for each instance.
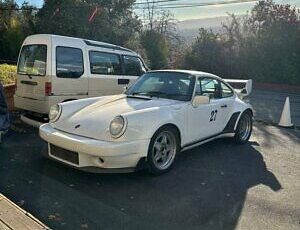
(162, 150)
(244, 128)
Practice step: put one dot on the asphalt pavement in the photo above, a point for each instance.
(268, 105)
(218, 185)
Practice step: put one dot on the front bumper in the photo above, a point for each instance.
(94, 153)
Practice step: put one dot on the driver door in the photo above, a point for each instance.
(204, 120)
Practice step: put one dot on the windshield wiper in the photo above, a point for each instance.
(140, 93)
(137, 94)
(29, 74)
(150, 93)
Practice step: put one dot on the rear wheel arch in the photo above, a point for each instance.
(243, 130)
(245, 111)
(248, 111)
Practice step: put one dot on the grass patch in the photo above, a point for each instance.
(7, 73)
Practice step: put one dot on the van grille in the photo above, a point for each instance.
(64, 154)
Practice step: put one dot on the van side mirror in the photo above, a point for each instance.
(200, 100)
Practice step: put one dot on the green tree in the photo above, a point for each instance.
(263, 45)
(206, 53)
(15, 25)
(157, 48)
(276, 33)
(114, 21)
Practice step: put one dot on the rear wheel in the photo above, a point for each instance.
(162, 150)
(244, 128)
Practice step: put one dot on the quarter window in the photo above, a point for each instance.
(208, 87)
(105, 63)
(226, 91)
(69, 62)
(133, 66)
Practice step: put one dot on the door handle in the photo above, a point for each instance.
(123, 81)
(224, 106)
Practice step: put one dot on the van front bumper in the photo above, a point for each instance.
(86, 153)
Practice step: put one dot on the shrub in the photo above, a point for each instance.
(7, 73)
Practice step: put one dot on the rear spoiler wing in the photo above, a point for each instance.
(242, 87)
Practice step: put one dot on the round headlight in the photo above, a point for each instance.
(117, 126)
(54, 112)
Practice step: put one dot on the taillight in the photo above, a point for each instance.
(48, 88)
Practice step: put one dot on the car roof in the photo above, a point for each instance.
(191, 72)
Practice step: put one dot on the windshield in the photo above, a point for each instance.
(171, 85)
(32, 60)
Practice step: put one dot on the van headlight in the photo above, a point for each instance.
(117, 126)
(54, 113)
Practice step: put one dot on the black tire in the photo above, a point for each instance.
(151, 162)
(242, 134)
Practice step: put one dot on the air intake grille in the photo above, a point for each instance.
(64, 154)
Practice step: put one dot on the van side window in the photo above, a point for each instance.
(133, 66)
(105, 63)
(69, 62)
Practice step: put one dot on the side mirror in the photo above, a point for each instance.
(200, 100)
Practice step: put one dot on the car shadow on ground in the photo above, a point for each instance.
(205, 190)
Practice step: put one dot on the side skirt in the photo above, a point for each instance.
(221, 135)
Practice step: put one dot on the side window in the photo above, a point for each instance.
(69, 62)
(209, 87)
(105, 63)
(133, 66)
(226, 91)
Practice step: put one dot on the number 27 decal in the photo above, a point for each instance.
(213, 115)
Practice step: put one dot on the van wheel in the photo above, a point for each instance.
(244, 128)
(164, 146)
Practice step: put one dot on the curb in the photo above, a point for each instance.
(15, 218)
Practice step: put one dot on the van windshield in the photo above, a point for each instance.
(32, 60)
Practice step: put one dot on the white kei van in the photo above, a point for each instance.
(54, 69)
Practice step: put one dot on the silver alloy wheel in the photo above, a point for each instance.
(164, 150)
(245, 127)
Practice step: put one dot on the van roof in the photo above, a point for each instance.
(89, 42)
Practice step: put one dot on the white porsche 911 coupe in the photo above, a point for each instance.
(161, 114)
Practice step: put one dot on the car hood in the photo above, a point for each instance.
(93, 120)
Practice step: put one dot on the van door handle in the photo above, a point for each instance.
(123, 81)
(224, 106)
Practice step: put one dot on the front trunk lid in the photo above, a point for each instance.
(93, 121)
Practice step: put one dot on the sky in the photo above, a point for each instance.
(200, 12)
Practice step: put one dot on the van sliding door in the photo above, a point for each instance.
(105, 74)
(71, 79)
(133, 68)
